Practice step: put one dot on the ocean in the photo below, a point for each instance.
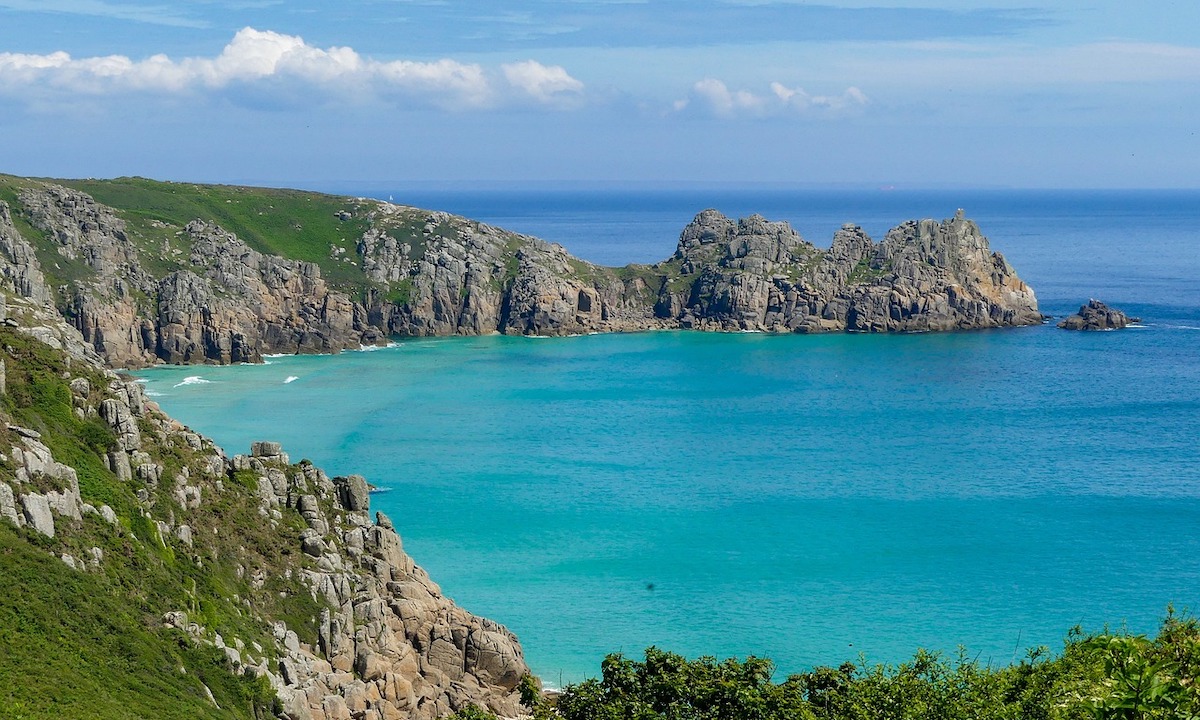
(811, 499)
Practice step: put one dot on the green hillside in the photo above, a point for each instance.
(92, 643)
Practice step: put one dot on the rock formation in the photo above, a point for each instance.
(1095, 315)
(762, 276)
(388, 644)
(213, 298)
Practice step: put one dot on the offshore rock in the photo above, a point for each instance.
(1095, 315)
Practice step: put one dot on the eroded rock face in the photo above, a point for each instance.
(763, 276)
(391, 644)
(1095, 315)
(18, 262)
(428, 273)
(228, 304)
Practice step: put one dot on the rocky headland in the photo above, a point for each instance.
(278, 569)
(142, 289)
(1095, 315)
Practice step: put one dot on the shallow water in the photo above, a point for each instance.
(802, 498)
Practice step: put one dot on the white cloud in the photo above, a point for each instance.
(546, 84)
(797, 99)
(257, 57)
(724, 102)
(716, 97)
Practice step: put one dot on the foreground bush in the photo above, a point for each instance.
(1108, 676)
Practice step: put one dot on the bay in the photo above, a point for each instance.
(801, 498)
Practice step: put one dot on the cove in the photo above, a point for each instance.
(804, 498)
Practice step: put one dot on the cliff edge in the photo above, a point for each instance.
(196, 585)
(164, 272)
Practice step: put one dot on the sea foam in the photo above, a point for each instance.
(192, 380)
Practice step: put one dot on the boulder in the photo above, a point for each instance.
(354, 493)
(1095, 315)
(36, 509)
(8, 505)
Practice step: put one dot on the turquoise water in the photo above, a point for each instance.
(803, 498)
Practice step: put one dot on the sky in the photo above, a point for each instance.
(904, 93)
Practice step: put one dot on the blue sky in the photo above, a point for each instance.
(912, 94)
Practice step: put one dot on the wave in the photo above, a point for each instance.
(153, 393)
(291, 379)
(193, 380)
(373, 348)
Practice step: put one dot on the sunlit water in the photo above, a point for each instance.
(803, 498)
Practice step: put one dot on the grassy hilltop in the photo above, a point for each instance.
(290, 223)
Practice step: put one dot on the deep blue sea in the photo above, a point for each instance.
(804, 498)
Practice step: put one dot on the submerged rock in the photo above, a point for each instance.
(1095, 315)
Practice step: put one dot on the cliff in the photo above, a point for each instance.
(149, 575)
(162, 272)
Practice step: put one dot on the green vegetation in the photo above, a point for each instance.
(863, 272)
(39, 398)
(292, 223)
(93, 643)
(1109, 676)
(75, 646)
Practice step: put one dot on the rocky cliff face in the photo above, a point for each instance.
(427, 273)
(387, 642)
(762, 276)
(227, 303)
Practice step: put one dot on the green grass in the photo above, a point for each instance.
(863, 272)
(91, 644)
(75, 647)
(291, 223)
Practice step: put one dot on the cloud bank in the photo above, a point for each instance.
(269, 59)
(714, 96)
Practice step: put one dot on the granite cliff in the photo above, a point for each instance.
(196, 584)
(144, 286)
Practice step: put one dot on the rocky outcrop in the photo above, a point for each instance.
(227, 303)
(239, 303)
(41, 487)
(1095, 315)
(19, 265)
(755, 275)
(459, 277)
(388, 642)
(429, 273)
